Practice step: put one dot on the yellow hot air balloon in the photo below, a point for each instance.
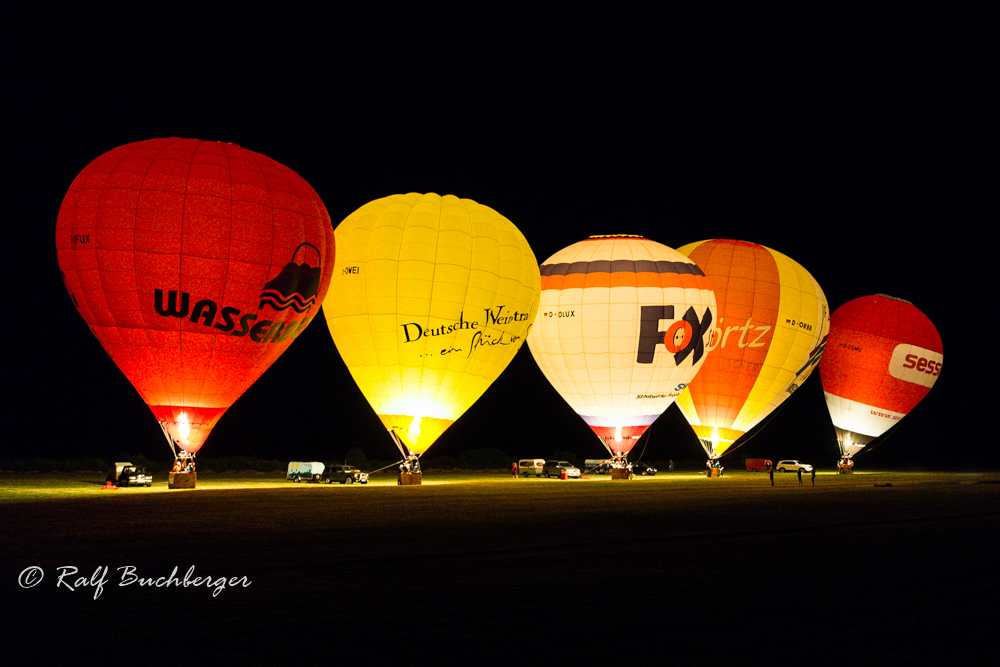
(431, 299)
(772, 330)
(623, 327)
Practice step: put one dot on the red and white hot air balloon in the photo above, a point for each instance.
(195, 264)
(623, 326)
(882, 357)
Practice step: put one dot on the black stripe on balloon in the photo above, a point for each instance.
(620, 266)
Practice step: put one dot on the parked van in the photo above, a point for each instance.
(531, 467)
(758, 465)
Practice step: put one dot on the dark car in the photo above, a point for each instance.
(126, 474)
(642, 469)
(344, 474)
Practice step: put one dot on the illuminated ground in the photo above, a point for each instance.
(856, 568)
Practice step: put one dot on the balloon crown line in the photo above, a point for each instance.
(616, 236)
(895, 298)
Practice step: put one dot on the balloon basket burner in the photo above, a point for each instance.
(713, 472)
(620, 473)
(182, 480)
(410, 478)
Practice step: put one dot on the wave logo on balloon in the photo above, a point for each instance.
(296, 286)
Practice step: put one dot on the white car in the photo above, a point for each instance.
(793, 466)
(554, 468)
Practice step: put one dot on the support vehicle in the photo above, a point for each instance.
(309, 471)
(789, 465)
(758, 465)
(315, 471)
(344, 474)
(639, 468)
(555, 468)
(124, 473)
(527, 467)
(599, 466)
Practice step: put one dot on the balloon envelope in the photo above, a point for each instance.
(195, 264)
(883, 357)
(773, 325)
(622, 329)
(431, 298)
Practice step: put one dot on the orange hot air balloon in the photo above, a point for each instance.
(883, 357)
(196, 264)
(772, 329)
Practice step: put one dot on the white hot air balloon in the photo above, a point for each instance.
(623, 326)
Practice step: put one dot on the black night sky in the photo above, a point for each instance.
(850, 142)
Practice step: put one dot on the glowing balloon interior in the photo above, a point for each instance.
(195, 264)
(883, 357)
(431, 298)
(623, 327)
(772, 330)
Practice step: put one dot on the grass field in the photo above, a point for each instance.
(862, 568)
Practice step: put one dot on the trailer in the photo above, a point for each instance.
(309, 471)
(758, 465)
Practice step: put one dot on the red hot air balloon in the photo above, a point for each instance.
(882, 358)
(196, 264)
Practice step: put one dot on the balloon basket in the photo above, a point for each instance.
(182, 480)
(845, 470)
(620, 473)
(410, 478)
(713, 472)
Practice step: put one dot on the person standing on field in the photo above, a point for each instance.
(513, 470)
